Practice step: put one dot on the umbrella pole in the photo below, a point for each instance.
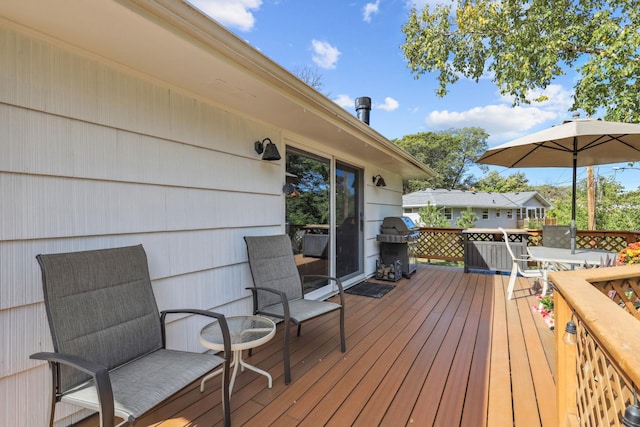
(573, 195)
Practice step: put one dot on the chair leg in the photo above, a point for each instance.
(287, 363)
(226, 404)
(512, 280)
(343, 345)
(52, 409)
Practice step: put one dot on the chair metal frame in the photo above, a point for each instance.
(107, 333)
(278, 289)
(515, 267)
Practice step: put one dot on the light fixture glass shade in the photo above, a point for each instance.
(570, 333)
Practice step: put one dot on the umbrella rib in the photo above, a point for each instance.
(558, 147)
(597, 142)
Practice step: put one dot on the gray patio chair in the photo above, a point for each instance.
(277, 290)
(516, 269)
(109, 339)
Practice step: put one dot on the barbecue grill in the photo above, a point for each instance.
(398, 237)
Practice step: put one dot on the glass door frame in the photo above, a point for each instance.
(359, 275)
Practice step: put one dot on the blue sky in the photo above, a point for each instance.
(355, 47)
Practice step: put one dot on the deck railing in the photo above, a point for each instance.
(446, 243)
(596, 377)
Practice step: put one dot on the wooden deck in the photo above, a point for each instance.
(443, 348)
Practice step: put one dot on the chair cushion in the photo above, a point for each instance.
(273, 266)
(100, 306)
(301, 309)
(141, 384)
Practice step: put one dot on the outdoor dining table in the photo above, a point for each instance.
(548, 257)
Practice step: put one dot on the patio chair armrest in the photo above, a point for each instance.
(222, 321)
(99, 373)
(283, 299)
(335, 279)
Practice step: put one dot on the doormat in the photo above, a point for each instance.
(370, 289)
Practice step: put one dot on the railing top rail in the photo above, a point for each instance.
(614, 328)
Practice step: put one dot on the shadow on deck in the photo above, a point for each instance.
(443, 348)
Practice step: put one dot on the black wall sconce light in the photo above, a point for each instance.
(270, 150)
(379, 181)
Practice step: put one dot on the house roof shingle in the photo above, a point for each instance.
(474, 199)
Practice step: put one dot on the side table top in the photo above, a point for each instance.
(245, 331)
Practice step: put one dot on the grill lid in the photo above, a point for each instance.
(398, 225)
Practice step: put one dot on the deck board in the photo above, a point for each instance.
(443, 348)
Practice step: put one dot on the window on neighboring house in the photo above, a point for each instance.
(510, 213)
(447, 213)
(485, 213)
(497, 213)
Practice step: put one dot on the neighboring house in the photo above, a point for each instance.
(126, 122)
(507, 210)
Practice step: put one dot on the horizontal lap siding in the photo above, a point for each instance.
(93, 156)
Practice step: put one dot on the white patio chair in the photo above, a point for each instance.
(516, 269)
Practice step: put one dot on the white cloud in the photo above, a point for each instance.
(499, 121)
(345, 101)
(390, 104)
(502, 121)
(230, 13)
(324, 55)
(370, 9)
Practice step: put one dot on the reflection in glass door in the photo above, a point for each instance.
(349, 221)
(308, 213)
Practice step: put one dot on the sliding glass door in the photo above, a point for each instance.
(349, 221)
(324, 217)
(308, 213)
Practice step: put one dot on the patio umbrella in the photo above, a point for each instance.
(578, 142)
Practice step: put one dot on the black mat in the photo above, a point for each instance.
(370, 289)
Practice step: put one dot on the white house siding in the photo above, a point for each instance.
(380, 203)
(492, 222)
(94, 155)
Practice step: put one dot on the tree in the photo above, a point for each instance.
(312, 77)
(493, 181)
(524, 45)
(449, 153)
(311, 206)
(431, 216)
(467, 218)
(616, 209)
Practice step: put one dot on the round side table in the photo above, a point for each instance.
(246, 332)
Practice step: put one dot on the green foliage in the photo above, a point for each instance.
(311, 206)
(493, 181)
(467, 218)
(449, 153)
(547, 302)
(615, 208)
(431, 216)
(524, 45)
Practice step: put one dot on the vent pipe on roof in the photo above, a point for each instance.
(363, 107)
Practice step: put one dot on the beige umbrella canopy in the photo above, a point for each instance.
(578, 142)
